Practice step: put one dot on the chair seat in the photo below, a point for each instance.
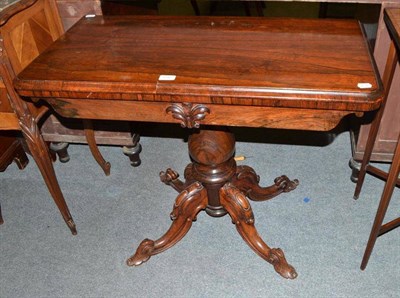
(8, 121)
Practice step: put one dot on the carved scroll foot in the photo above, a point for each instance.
(143, 253)
(247, 181)
(188, 203)
(42, 157)
(89, 133)
(238, 207)
(171, 178)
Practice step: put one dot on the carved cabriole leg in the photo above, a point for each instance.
(35, 142)
(133, 152)
(89, 133)
(42, 157)
(247, 181)
(238, 207)
(187, 205)
(211, 172)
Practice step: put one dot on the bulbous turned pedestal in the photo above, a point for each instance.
(212, 152)
(215, 184)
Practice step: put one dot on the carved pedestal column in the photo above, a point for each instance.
(214, 183)
(212, 152)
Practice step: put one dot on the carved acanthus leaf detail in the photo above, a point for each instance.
(188, 114)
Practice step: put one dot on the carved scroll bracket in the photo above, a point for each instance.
(188, 114)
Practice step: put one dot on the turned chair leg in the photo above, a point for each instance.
(61, 149)
(133, 152)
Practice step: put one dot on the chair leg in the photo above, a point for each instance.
(247, 8)
(1, 217)
(195, 7)
(387, 80)
(89, 133)
(259, 7)
(133, 151)
(377, 230)
(61, 149)
(38, 148)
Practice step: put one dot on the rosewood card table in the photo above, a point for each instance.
(209, 73)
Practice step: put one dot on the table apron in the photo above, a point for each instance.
(227, 115)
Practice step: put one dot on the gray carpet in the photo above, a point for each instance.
(321, 229)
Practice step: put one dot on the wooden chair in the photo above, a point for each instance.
(247, 6)
(392, 20)
(33, 34)
(27, 28)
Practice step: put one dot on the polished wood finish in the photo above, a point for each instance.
(386, 140)
(27, 28)
(392, 19)
(207, 73)
(60, 132)
(272, 75)
(89, 132)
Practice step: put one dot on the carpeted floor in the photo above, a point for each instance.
(321, 229)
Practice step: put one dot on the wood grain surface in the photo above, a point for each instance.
(298, 63)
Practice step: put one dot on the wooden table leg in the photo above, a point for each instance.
(42, 157)
(213, 183)
(37, 146)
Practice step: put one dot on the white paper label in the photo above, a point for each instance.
(364, 85)
(90, 16)
(167, 78)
